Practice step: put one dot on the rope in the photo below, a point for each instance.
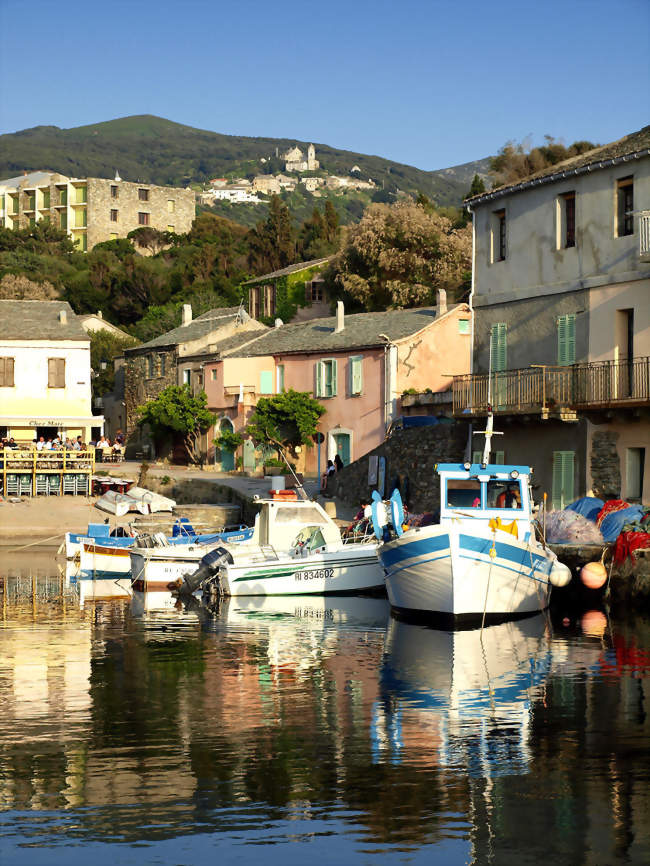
(40, 541)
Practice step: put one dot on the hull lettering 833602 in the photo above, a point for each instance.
(316, 574)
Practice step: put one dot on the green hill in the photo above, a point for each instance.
(154, 150)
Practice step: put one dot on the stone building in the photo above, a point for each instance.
(562, 321)
(295, 159)
(93, 209)
(178, 358)
(297, 289)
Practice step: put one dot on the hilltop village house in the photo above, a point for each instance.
(178, 358)
(295, 293)
(357, 365)
(93, 209)
(562, 317)
(44, 372)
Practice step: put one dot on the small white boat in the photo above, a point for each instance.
(296, 549)
(136, 499)
(482, 560)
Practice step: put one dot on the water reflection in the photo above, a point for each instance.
(313, 726)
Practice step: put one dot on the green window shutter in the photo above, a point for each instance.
(498, 347)
(334, 378)
(356, 374)
(266, 382)
(566, 339)
(46, 198)
(320, 369)
(476, 456)
(499, 457)
(563, 478)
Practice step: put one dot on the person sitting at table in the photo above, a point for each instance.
(103, 442)
(77, 445)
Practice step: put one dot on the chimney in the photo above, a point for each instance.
(278, 323)
(340, 317)
(63, 317)
(442, 302)
(100, 314)
(186, 316)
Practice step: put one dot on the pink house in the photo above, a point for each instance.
(356, 365)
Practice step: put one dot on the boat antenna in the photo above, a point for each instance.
(489, 431)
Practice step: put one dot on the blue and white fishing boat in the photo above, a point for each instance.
(482, 561)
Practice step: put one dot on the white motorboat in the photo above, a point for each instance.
(483, 559)
(296, 548)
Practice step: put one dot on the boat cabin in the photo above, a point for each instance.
(280, 523)
(492, 492)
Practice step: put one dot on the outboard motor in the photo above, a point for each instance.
(208, 568)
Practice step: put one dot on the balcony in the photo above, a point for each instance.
(559, 392)
(239, 394)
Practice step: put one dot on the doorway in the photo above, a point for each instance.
(342, 446)
(227, 454)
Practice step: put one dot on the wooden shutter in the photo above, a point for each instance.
(356, 374)
(56, 372)
(566, 339)
(498, 457)
(320, 377)
(6, 372)
(498, 347)
(477, 456)
(334, 378)
(563, 478)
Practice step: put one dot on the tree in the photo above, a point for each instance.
(104, 348)
(285, 420)
(271, 243)
(177, 410)
(398, 255)
(517, 161)
(149, 238)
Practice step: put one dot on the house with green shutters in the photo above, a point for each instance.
(561, 322)
(296, 293)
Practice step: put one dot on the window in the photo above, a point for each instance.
(314, 290)
(6, 372)
(113, 216)
(463, 493)
(280, 375)
(115, 191)
(80, 194)
(624, 206)
(269, 300)
(46, 198)
(187, 377)
(170, 228)
(143, 194)
(634, 470)
(563, 477)
(80, 217)
(63, 220)
(566, 339)
(463, 326)
(171, 205)
(503, 494)
(566, 220)
(63, 195)
(254, 303)
(30, 201)
(161, 361)
(143, 219)
(326, 378)
(213, 374)
(498, 252)
(113, 236)
(56, 372)
(150, 366)
(355, 366)
(498, 346)
(266, 382)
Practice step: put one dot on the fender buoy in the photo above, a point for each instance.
(396, 512)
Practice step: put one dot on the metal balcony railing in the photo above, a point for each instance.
(547, 389)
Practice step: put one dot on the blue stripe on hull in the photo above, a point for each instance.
(504, 550)
(419, 547)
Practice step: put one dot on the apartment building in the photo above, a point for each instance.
(93, 209)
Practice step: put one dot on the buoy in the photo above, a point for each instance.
(560, 574)
(593, 575)
(593, 623)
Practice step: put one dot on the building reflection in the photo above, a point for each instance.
(143, 713)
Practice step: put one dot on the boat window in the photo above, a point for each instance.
(309, 538)
(504, 494)
(463, 493)
(299, 515)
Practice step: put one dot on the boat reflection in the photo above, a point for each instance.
(461, 699)
(92, 589)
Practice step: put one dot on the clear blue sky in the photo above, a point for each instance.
(425, 82)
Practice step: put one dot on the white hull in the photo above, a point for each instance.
(348, 569)
(98, 559)
(450, 570)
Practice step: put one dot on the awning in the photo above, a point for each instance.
(52, 421)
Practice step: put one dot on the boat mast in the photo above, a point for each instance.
(489, 431)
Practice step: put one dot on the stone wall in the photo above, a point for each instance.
(410, 454)
(166, 207)
(605, 465)
(139, 386)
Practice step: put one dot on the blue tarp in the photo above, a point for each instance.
(613, 524)
(587, 506)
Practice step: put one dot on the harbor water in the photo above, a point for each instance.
(142, 730)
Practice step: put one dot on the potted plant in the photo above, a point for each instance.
(273, 466)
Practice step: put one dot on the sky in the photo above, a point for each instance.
(430, 83)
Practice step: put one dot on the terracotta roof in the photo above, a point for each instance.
(633, 146)
(39, 320)
(292, 269)
(361, 330)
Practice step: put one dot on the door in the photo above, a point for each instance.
(249, 455)
(227, 454)
(342, 444)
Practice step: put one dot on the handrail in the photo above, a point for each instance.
(554, 388)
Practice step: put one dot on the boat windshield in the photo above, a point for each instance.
(463, 493)
(504, 494)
